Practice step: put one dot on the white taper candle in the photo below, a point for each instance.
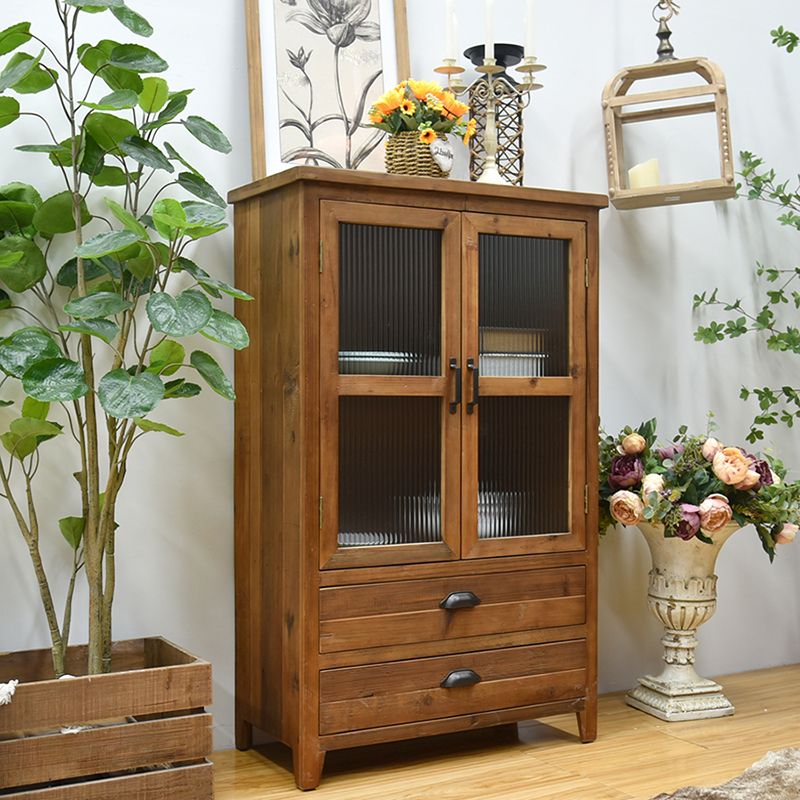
(449, 29)
(489, 52)
(529, 46)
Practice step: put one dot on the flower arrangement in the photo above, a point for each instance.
(694, 486)
(421, 106)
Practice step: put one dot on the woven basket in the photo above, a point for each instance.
(407, 155)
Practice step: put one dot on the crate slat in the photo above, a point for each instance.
(179, 783)
(43, 759)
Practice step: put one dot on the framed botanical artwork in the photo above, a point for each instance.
(315, 67)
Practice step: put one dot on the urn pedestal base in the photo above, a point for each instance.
(678, 702)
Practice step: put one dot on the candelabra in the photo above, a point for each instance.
(490, 90)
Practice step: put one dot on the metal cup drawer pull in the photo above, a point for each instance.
(460, 677)
(460, 600)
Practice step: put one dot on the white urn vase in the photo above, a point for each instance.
(683, 595)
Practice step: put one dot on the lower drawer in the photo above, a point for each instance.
(373, 696)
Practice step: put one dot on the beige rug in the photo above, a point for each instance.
(775, 777)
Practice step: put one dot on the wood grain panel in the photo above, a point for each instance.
(179, 783)
(380, 704)
(426, 626)
(411, 595)
(42, 759)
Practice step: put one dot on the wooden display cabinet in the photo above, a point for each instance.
(416, 437)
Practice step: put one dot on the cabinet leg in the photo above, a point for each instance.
(587, 724)
(307, 763)
(244, 734)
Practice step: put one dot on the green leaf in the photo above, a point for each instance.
(200, 215)
(5, 300)
(96, 60)
(14, 37)
(25, 347)
(72, 530)
(159, 427)
(15, 216)
(226, 330)
(143, 265)
(212, 285)
(132, 21)
(200, 187)
(101, 328)
(106, 244)
(154, 95)
(177, 102)
(136, 58)
(201, 231)
(97, 306)
(145, 153)
(9, 111)
(213, 374)
(34, 409)
(55, 215)
(108, 131)
(15, 71)
(26, 434)
(38, 79)
(116, 101)
(169, 217)
(125, 396)
(126, 218)
(25, 271)
(21, 193)
(184, 315)
(68, 274)
(181, 389)
(38, 148)
(209, 134)
(110, 176)
(55, 380)
(176, 156)
(167, 357)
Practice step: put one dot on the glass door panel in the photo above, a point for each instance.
(523, 305)
(390, 306)
(525, 350)
(523, 466)
(390, 342)
(390, 480)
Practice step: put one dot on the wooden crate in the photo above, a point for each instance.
(153, 736)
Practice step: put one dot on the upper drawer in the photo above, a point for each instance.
(404, 612)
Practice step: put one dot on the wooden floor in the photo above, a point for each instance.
(634, 758)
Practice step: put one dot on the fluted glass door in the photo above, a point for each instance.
(389, 363)
(524, 351)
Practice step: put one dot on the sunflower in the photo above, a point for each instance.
(422, 89)
(427, 136)
(453, 107)
(408, 108)
(470, 131)
(375, 116)
(389, 101)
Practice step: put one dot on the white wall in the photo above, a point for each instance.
(175, 551)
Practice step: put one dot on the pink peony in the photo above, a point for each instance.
(626, 507)
(715, 513)
(625, 471)
(786, 534)
(652, 483)
(730, 465)
(711, 447)
(690, 522)
(633, 444)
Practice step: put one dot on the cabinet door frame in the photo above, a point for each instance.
(333, 385)
(574, 385)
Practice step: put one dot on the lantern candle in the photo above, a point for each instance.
(645, 174)
(489, 51)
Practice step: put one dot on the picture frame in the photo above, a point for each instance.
(266, 124)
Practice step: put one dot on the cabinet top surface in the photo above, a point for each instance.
(407, 183)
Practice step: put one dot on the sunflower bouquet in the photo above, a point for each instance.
(421, 106)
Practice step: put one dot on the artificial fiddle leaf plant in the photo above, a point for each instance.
(91, 345)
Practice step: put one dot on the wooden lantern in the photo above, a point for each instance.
(619, 110)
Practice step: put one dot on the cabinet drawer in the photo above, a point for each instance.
(405, 612)
(412, 691)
